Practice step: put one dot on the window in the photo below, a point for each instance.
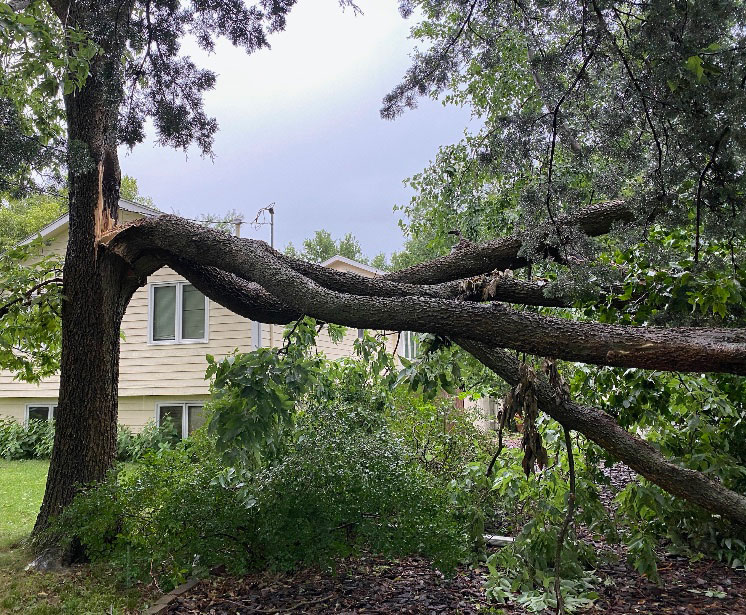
(184, 416)
(178, 314)
(360, 334)
(408, 344)
(40, 412)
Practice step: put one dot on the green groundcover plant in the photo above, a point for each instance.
(35, 440)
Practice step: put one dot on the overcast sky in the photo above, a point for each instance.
(299, 125)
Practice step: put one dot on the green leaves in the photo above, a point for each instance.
(30, 304)
(256, 396)
(694, 65)
(38, 53)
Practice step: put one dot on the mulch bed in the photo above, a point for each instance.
(684, 589)
(374, 586)
(367, 585)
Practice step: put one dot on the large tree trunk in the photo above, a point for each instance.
(95, 296)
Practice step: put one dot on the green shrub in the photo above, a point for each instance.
(26, 442)
(164, 517)
(346, 483)
(133, 446)
(343, 483)
(35, 440)
(444, 438)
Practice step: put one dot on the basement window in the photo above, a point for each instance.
(40, 412)
(186, 417)
(178, 314)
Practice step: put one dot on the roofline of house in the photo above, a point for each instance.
(349, 261)
(136, 208)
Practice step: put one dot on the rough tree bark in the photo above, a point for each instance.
(397, 307)
(602, 429)
(97, 287)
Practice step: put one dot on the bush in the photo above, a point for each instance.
(445, 438)
(35, 440)
(343, 483)
(133, 446)
(347, 483)
(166, 518)
(26, 442)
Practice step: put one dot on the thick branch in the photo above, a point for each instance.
(494, 286)
(246, 299)
(678, 349)
(602, 429)
(475, 259)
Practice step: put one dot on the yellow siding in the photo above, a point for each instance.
(165, 372)
(134, 411)
(174, 369)
(137, 411)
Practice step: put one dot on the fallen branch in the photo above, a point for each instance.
(602, 429)
(673, 349)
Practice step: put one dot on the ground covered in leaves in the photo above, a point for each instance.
(373, 586)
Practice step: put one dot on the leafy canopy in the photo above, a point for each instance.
(322, 246)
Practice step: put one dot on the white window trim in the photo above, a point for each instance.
(49, 405)
(177, 323)
(256, 334)
(184, 414)
(405, 337)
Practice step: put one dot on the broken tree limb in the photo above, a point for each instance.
(244, 276)
(477, 258)
(601, 428)
(666, 349)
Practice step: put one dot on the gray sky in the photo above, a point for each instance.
(299, 126)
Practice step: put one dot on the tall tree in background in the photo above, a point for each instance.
(599, 114)
(322, 246)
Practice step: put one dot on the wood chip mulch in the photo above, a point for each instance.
(367, 585)
(373, 586)
(687, 588)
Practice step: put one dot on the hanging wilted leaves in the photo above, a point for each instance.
(556, 381)
(522, 401)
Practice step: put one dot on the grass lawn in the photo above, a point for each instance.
(81, 590)
(21, 489)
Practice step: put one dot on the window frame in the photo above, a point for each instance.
(184, 413)
(51, 409)
(257, 331)
(405, 339)
(179, 316)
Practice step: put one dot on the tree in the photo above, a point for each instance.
(633, 115)
(20, 218)
(124, 69)
(130, 191)
(322, 246)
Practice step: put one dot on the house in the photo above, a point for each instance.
(168, 329)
